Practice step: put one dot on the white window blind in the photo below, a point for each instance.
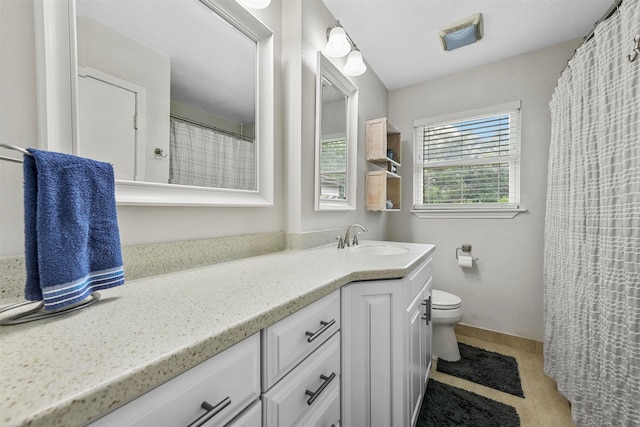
(333, 169)
(471, 161)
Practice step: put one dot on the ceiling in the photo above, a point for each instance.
(399, 38)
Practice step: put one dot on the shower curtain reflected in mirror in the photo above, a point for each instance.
(592, 230)
(204, 157)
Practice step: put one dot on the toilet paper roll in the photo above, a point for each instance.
(465, 261)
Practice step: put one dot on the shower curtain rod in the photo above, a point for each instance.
(610, 11)
(226, 132)
(616, 4)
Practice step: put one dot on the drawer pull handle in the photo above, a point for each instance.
(325, 325)
(314, 394)
(212, 411)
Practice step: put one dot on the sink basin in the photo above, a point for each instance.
(379, 249)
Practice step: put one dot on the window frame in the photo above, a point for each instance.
(470, 210)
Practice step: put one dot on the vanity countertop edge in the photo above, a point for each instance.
(72, 369)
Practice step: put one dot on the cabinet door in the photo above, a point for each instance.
(427, 353)
(416, 362)
(419, 277)
(113, 131)
(419, 349)
(376, 137)
(373, 362)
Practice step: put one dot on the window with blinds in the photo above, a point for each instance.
(471, 161)
(333, 169)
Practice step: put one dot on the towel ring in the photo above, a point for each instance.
(37, 313)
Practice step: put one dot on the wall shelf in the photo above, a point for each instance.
(383, 138)
(381, 186)
(384, 149)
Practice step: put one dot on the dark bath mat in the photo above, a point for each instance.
(484, 367)
(445, 406)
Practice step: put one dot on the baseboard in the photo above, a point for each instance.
(520, 343)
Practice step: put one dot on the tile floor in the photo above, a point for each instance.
(542, 406)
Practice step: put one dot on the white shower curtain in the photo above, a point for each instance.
(592, 234)
(205, 157)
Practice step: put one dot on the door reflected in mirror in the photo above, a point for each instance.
(169, 77)
(336, 138)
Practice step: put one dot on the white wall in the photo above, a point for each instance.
(18, 124)
(334, 119)
(504, 292)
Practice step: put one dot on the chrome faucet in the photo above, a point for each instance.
(352, 241)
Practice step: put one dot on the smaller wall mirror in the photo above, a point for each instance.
(336, 139)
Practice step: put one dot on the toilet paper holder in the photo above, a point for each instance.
(466, 249)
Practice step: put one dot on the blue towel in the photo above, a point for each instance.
(72, 241)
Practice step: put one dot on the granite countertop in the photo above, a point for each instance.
(71, 369)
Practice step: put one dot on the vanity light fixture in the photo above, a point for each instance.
(256, 4)
(355, 64)
(462, 33)
(339, 44)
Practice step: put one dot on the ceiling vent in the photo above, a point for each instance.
(462, 33)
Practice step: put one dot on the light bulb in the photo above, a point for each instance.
(337, 45)
(355, 64)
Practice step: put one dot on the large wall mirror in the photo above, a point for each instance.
(176, 94)
(336, 138)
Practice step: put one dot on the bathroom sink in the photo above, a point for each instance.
(379, 249)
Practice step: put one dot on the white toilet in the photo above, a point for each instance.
(446, 312)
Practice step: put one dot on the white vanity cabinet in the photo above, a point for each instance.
(359, 356)
(212, 393)
(301, 367)
(297, 359)
(386, 349)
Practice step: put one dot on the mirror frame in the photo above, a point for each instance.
(328, 71)
(57, 103)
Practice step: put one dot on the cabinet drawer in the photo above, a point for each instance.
(288, 403)
(288, 342)
(230, 379)
(250, 417)
(327, 412)
(418, 277)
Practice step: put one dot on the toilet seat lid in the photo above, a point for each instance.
(444, 300)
